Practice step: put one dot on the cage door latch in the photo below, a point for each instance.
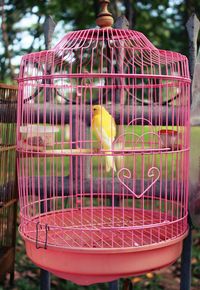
(41, 235)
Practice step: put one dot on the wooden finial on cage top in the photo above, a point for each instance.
(104, 18)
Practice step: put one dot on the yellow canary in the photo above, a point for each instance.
(104, 128)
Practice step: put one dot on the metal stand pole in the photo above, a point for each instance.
(49, 26)
(185, 283)
(45, 280)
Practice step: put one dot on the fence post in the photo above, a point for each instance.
(193, 26)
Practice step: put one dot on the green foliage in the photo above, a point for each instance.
(163, 22)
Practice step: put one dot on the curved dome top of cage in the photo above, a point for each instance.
(80, 52)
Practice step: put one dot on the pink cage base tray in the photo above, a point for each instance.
(90, 255)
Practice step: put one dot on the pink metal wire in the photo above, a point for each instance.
(67, 198)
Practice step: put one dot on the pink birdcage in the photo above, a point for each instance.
(109, 199)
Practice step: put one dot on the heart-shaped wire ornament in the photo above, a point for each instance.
(153, 173)
(139, 139)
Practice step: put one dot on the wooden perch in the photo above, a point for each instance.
(7, 148)
(30, 150)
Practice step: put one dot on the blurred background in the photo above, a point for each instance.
(163, 22)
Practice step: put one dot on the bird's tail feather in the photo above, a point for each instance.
(110, 163)
(119, 159)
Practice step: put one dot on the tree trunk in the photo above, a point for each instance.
(8, 54)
